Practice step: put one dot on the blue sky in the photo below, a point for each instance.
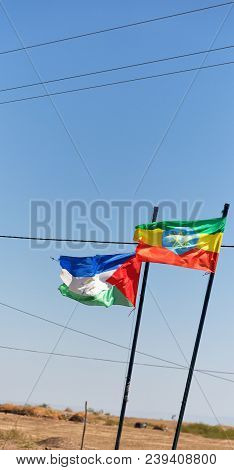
(116, 130)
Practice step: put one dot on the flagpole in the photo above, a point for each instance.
(195, 350)
(134, 344)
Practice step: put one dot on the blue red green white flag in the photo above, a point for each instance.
(102, 280)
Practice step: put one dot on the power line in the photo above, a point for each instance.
(116, 28)
(86, 334)
(49, 355)
(111, 361)
(175, 114)
(114, 361)
(58, 113)
(177, 365)
(215, 376)
(66, 240)
(119, 82)
(195, 376)
(76, 240)
(225, 372)
(114, 69)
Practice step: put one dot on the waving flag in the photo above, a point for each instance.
(187, 244)
(102, 279)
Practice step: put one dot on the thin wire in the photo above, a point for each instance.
(35, 384)
(112, 361)
(115, 28)
(114, 69)
(75, 240)
(66, 240)
(119, 82)
(78, 153)
(158, 146)
(112, 343)
(187, 362)
(214, 375)
(225, 372)
(51, 353)
(100, 359)
(86, 334)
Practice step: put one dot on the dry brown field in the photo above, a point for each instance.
(57, 432)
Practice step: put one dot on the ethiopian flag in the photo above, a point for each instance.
(102, 280)
(194, 244)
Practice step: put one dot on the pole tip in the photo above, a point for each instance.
(155, 213)
(225, 209)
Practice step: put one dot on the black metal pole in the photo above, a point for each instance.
(195, 350)
(134, 344)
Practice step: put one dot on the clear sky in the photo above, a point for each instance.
(116, 130)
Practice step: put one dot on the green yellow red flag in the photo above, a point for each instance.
(189, 244)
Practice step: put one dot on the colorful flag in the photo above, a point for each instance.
(187, 244)
(101, 280)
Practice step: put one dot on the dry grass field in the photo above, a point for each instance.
(45, 428)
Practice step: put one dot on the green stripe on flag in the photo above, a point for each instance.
(198, 226)
(105, 298)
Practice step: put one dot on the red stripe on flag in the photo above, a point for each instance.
(126, 278)
(195, 259)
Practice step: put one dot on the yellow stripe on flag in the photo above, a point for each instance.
(210, 242)
(149, 237)
(205, 241)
